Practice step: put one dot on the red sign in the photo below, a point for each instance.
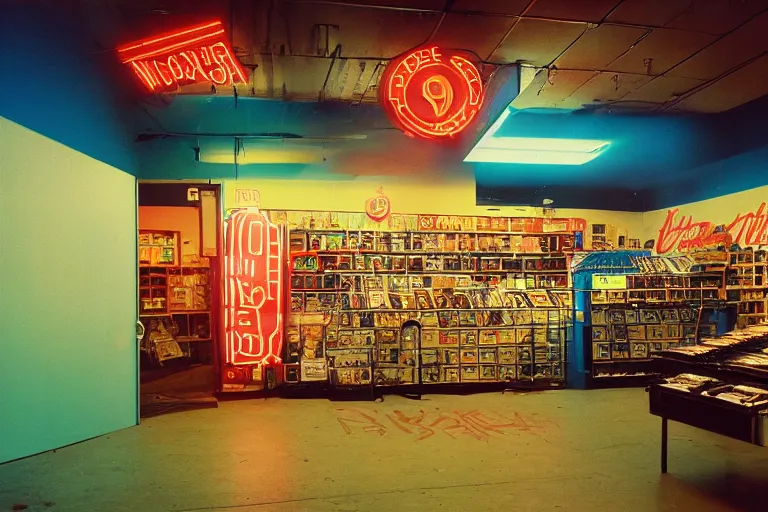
(379, 207)
(196, 54)
(683, 235)
(431, 93)
(253, 289)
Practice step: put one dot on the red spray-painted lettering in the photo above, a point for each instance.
(683, 235)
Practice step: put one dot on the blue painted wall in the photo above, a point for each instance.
(68, 369)
(57, 82)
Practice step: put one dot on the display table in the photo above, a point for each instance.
(724, 388)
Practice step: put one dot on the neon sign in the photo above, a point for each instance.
(432, 93)
(378, 207)
(253, 306)
(196, 54)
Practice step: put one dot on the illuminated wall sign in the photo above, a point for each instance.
(431, 93)
(191, 55)
(378, 207)
(253, 304)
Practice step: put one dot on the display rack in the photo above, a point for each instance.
(747, 286)
(723, 387)
(177, 294)
(634, 305)
(402, 308)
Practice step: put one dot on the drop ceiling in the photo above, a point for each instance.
(657, 55)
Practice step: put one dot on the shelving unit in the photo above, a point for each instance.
(648, 304)
(174, 297)
(417, 308)
(747, 286)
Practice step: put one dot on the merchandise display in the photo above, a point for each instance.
(747, 286)
(429, 300)
(646, 304)
(174, 298)
(720, 385)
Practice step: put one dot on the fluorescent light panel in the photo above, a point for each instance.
(521, 156)
(533, 150)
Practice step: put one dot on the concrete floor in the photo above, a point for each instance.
(570, 450)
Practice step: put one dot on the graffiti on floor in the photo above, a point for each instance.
(421, 424)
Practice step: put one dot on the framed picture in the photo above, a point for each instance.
(669, 316)
(507, 373)
(599, 333)
(632, 316)
(507, 355)
(450, 356)
(488, 372)
(469, 373)
(487, 355)
(639, 350)
(650, 316)
(636, 332)
(601, 351)
(468, 356)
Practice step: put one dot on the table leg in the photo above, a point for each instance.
(663, 445)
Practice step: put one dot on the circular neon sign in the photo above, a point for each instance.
(431, 93)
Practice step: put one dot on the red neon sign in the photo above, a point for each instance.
(432, 93)
(196, 54)
(253, 305)
(378, 207)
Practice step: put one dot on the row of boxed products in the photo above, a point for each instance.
(434, 262)
(604, 316)
(651, 332)
(426, 299)
(634, 349)
(443, 320)
(443, 242)
(428, 375)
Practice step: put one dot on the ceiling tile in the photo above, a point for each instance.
(717, 16)
(662, 89)
(436, 5)
(738, 88)
(604, 88)
(655, 13)
(480, 34)
(508, 7)
(362, 32)
(582, 10)
(665, 47)
(560, 85)
(599, 47)
(736, 48)
(537, 42)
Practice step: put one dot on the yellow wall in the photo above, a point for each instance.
(425, 195)
(720, 210)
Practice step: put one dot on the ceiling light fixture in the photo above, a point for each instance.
(533, 150)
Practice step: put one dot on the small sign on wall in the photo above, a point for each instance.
(247, 197)
(617, 282)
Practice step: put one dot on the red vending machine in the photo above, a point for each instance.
(253, 302)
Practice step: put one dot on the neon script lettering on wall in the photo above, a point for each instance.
(195, 54)
(747, 229)
(253, 306)
(432, 93)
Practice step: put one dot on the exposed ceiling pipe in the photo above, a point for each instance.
(336, 53)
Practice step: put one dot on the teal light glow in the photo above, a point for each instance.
(533, 150)
(525, 156)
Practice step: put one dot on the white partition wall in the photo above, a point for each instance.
(68, 359)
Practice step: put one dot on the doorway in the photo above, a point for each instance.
(179, 245)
